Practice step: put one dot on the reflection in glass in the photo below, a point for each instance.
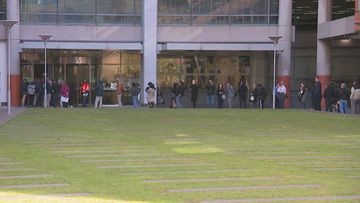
(105, 12)
(204, 12)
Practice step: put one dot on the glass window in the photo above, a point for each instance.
(115, 7)
(2, 9)
(274, 7)
(117, 12)
(241, 7)
(211, 7)
(174, 7)
(38, 11)
(77, 6)
(174, 12)
(76, 11)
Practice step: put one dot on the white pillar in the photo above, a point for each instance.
(13, 13)
(149, 45)
(3, 71)
(284, 58)
(323, 46)
(285, 31)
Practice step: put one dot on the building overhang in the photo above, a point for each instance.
(218, 47)
(82, 45)
(336, 28)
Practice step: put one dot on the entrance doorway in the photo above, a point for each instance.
(75, 75)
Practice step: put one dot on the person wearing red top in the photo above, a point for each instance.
(84, 92)
(65, 94)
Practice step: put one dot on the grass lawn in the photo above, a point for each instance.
(172, 155)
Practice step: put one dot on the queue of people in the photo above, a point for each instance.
(337, 97)
(59, 94)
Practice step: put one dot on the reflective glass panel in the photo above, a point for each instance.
(174, 7)
(76, 6)
(249, 7)
(115, 7)
(213, 7)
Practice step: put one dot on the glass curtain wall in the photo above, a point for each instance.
(218, 12)
(74, 66)
(2, 9)
(88, 12)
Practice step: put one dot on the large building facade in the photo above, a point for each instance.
(163, 41)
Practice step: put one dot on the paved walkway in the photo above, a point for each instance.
(4, 117)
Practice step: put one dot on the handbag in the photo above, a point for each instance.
(64, 99)
(223, 96)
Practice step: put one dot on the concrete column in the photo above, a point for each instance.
(324, 46)
(284, 59)
(357, 15)
(149, 45)
(13, 13)
(3, 71)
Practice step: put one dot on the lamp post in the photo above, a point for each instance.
(8, 24)
(275, 40)
(45, 38)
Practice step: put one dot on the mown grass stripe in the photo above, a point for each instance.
(154, 165)
(10, 163)
(318, 163)
(137, 160)
(242, 188)
(210, 180)
(33, 186)
(117, 155)
(33, 197)
(89, 147)
(270, 152)
(17, 169)
(336, 169)
(281, 199)
(24, 177)
(302, 157)
(176, 172)
(105, 151)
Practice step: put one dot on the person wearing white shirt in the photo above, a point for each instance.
(281, 92)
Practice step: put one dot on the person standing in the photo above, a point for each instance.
(260, 95)
(343, 95)
(84, 92)
(355, 98)
(24, 91)
(302, 95)
(210, 94)
(230, 93)
(179, 94)
(99, 94)
(329, 97)
(242, 92)
(221, 95)
(151, 95)
(119, 92)
(281, 93)
(317, 94)
(135, 91)
(174, 91)
(194, 92)
(64, 94)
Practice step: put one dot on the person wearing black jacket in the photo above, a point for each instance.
(343, 95)
(194, 93)
(260, 95)
(329, 96)
(210, 94)
(242, 92)
(221, 95)
(317, 94)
